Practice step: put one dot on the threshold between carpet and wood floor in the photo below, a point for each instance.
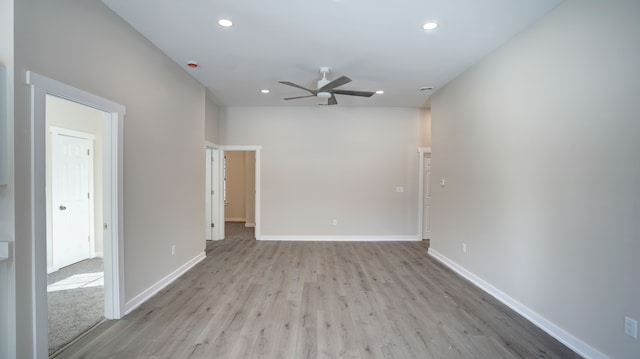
(260, 299)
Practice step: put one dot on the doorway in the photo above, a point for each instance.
(75, 269)
(212, 195)
(111, 226)
(217, 206)
(239, 194)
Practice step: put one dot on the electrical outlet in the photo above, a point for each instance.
(631, 327)
(173, 250)
(334, 222)
(464, 248)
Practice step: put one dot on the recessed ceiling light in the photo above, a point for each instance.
(429, 25)
(225, 23)
(379, 92)
(264, 91)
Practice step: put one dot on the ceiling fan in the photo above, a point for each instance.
(327, 89)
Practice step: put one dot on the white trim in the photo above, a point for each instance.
(240, 148)
(421, 152)
(113, 201)
(162, 283)
(71, 133)
(4, 128)
(342, 238)
(235, 219)
(555, 331)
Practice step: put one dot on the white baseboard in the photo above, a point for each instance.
(560, 334)
(341, 238)
(151, 291)
(234, 219)
(249, 224)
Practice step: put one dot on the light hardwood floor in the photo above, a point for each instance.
(252, 299)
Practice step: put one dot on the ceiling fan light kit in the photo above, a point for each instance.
(327, 89)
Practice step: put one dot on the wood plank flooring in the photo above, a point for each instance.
(251, 299)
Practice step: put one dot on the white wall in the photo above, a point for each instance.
(212, 119)
(325, 163)
(7, 192)
(85, 45)
(539, 146)
(69, 115)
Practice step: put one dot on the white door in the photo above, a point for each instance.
(71, 211)
(212, 227)
(426, 213)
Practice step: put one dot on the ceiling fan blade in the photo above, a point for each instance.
(297, 86)
(335, 83)
(354, 93)
(293, 98)
(332, 100)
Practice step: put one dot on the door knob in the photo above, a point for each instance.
(62, 208)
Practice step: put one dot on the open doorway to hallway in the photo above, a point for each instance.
(232, 192)
(239, 194)
(74, 196)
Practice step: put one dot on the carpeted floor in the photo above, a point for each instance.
(75, 300)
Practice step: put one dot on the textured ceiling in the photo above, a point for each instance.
(379, 44)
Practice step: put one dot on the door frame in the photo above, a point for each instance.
(113, 226)
(220, 205)
(422, 151)
(59, 131)
(258, 151)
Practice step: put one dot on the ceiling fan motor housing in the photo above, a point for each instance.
(323, 81)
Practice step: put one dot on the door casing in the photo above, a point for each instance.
(258, 151)
(113, 227)
(422, 152)
(212, 193)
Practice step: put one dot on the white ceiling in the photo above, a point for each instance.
(379, 44)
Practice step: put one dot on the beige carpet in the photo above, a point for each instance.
(75, 296)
